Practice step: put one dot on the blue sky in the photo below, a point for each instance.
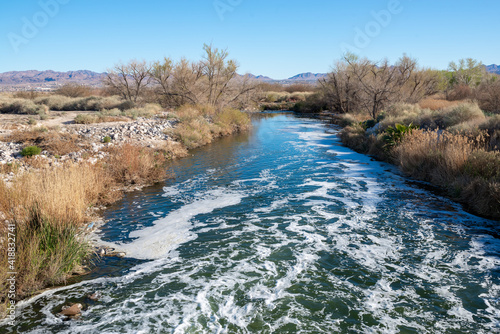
(277, 38)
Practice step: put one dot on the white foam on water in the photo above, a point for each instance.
(169, 232)
(274, 205)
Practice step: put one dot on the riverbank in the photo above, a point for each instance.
(70, 171)
(455, 148)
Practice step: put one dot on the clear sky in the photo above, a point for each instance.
(276, 38)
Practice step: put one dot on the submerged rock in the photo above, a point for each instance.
(94, 296)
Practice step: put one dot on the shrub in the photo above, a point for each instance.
(21, 106)
(395, 134)
(354, 136)
(106, 139)
(231, 120)
(147, 111)
(97, 118)
(74, 90)
(488, 96)
(461, 92)
(194, 132)
(95, 103)
(31, 151)
(460, 113)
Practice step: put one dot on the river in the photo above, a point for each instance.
(284, 230)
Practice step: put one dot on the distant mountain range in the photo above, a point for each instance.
(45, 77)
(52, 79)
(493, 68)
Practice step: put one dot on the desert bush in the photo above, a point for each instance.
(106, 139)
(354, 136)
(21, 106)
(460, 92)
(231, 120)
(488, 96)
(406, 114)
(95, 103)
(98, 118)
(461, 113)
(55, 102)
(349, 119)
(174, 149)
(28, 95)
(302, 96)
(74, 90)
(147, 111)
(313, 103)
(31, 151)
(200, 124)
(273, 97)
(194, 132)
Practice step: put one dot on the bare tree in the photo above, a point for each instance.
(340, 87)
(360, 84)
(218, 72)
(129, 79)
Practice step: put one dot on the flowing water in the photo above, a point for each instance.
(284, 230)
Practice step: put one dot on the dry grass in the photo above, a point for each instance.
(131, 165)
(49, 205)
(350, 119)
(174, 149)
(354, 136)
(433, 103)
(98, 118)
(456, 163)
(200, 124)
(62, 193)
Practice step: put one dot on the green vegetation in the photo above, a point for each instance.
(31, 151)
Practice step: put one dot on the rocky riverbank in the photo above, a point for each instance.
(91, 141)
